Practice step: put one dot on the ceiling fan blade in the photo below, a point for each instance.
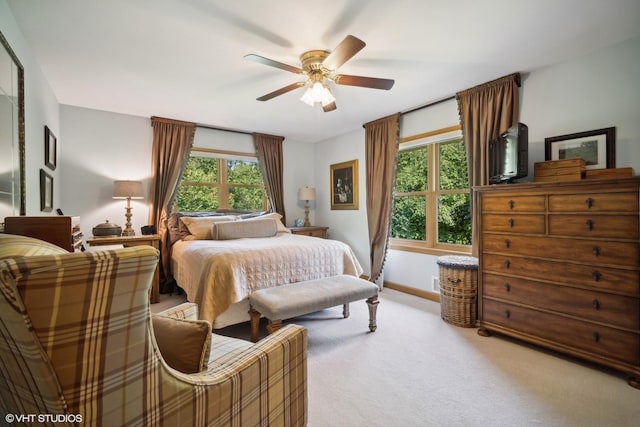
(329, 107)
(280, 91)
(272, 63)
(343, 52)
(370, 82)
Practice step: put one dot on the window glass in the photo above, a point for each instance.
(211, 183)
(432, 212)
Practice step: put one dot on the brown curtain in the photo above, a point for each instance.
(172, 141)
(381, 150)
(269, 151)
(486, 111)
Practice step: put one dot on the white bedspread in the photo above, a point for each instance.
(217, 273)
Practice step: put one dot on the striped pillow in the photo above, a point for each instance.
(12, 245)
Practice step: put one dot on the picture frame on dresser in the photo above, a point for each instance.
(596, 147)
(46, 191)
(50, 149)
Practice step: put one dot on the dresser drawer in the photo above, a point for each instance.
(491, 203)
(594, 202)
(566, 332)
(616, 310)
(605, 226)
(595, 277)
(534, 224)
(594, 252)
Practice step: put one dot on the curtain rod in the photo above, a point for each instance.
(429, 105)
(200, 125)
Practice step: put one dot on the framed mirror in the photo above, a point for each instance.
(12, 167)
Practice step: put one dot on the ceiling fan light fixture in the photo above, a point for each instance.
(318, 92)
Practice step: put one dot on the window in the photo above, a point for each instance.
(431, 203)
(215, 180)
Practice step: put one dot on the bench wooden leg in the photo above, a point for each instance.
(273, 325)
(373, 308)
(255, 324)
(345, 310)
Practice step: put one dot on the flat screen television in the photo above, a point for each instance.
(509, 155)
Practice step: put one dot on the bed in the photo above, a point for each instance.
(224, 258)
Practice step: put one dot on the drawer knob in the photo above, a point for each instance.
(507, 314)
(511, 204)
(596, 336)
(511, 222)
(596, 276)
(507, 287)
(596, 304)
(589, 225)
(596, 251)
(589, 203)
(507, 264)
(507, 243)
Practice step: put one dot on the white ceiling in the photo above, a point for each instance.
(183, 59)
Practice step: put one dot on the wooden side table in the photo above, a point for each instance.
(315, 231)
(126, 241)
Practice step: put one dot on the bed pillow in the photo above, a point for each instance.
(267, 227)
(273, 215)
(200, 227)
(12, 245)
(184, 344)
(176, 230)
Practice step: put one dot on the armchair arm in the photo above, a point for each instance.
(267, 382)
(186, 311)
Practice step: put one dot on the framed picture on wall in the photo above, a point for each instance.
(46, 191)
(50, 148)
(344, 185)
(596, 147)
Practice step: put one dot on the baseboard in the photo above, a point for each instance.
(413, 291)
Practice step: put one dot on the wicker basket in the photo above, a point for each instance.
(459, 290)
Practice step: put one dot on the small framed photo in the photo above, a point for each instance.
(46, 191)
(344, 185)
(50, 148)
(596, 147)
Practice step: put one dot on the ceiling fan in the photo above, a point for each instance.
(318, 67)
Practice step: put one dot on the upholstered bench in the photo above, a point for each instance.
(295, 299)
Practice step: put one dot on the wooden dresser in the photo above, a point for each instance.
(559, 266)
(63, 231)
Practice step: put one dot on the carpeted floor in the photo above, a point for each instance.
(417, 370)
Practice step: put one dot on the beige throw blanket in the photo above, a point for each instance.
(215, 274)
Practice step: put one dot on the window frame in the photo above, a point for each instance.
(431, 140)
(222, 184)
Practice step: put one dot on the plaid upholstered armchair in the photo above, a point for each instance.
(77, 347)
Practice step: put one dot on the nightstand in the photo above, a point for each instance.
(126, 241)
(314, 231)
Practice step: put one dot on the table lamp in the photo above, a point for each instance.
(306, 194)
(128, 190)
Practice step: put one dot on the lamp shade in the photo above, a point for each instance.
(306, 193)
(128, 189)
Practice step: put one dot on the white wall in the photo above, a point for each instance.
(349, 226)
(99, 148)
(591, 92)
(41, 108)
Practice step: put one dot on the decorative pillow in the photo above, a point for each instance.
(184, 344)
(176, 230)
(267, 227)
(274, 215)
(200, 227)
(12, 245)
